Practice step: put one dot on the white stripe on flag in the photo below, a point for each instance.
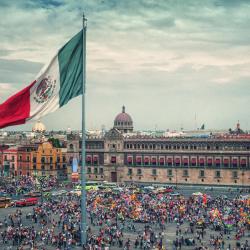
(44, 99)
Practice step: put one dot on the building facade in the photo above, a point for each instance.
(117, 157)
(40, 159)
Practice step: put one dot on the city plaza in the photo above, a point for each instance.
(147, 191)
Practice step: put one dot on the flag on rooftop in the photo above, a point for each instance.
(56, 84)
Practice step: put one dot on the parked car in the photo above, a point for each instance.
(27, 202)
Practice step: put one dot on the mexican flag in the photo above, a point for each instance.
(55, 85)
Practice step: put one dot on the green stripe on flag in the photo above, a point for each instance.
(70, 58)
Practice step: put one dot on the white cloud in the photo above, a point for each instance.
(5, 90)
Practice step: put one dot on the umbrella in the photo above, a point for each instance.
(197, 194)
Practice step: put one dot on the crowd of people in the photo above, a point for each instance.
(23, 184)
(130, 218)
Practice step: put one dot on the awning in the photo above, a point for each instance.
(209, 161)
(161, 160)
(235, 161)
(217, 161)
(170, 160)
(138, 159)
(177, 160)
(243, 162)
(153, 160)
(185, 160)
(202, 160)
(193, 160)
(226, 161)
(146, 159)
(88, 158)
(129, 159)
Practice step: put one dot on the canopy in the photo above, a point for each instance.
(197, 194)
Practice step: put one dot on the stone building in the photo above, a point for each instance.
(117, 157)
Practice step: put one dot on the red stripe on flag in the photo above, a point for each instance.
(16, 109)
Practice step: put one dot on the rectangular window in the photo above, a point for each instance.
(43, 160)
(34, 159)
(146, 161)
(130, 160)
(101, 170)
(161, 161)
(13, 158)
(130, 171)
(217, 162)
(95, 160)
(217, 174)
(113, 159)
(139, 172)
(138, 161)
(89, 170)
(202, 173)
(170, 172)
(153, 161)
(209, 162)
(235, 174)
(193, 162)
(154, 172)
(185, 172)
(185, 161)
(95, 170)
(88, 160)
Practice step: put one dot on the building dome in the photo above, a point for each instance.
(39, 127)
(123, 122)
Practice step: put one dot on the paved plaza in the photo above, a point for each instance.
(131, 218)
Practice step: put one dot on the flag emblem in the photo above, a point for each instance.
(45, 90)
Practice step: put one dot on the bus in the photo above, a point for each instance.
(5, 202)
(90, 185)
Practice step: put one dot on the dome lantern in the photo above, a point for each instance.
(123, 122)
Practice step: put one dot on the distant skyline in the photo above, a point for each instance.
(172, 63)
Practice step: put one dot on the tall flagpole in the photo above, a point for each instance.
(83, 168)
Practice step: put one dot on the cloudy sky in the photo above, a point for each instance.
(167, 61)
